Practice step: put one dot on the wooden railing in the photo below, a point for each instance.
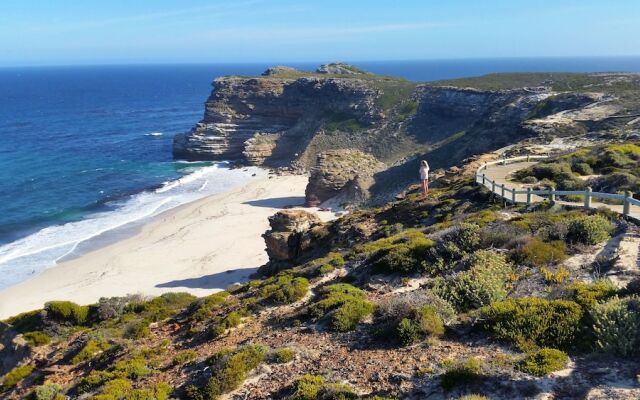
(510, 195)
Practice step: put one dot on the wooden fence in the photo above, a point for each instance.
(515, 195)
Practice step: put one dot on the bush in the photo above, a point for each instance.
(220, 326)
(483, 283)
(588, 294)
(473, 397)
(394, 308)
(283, 355)
(48, 391)
(66, 311)
(344, 304)
(589, 229)
(37, 338)
(543, 322)
(111, 308)
(461, 374)
(406, 256)
(285, 289)
(133, 368)
(231, 370)
(543, 362)
(307, 387)
(203, 308)
(537, 253)
(582, 168)
(185, 357)
(162, 307)
(27, 321)
(90, 350)
(421, 322)
(137, 329)
(407, 332)
(16, 375)
(616, 324)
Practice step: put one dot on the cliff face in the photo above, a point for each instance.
(246, 119)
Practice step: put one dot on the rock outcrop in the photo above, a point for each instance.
(339, 69)
(271, 118)
(287, 238)
(343, 175)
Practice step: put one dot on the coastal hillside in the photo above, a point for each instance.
(452, 296)
(288, 117)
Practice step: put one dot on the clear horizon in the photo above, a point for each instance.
(39, 33)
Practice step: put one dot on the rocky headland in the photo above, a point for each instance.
(288, 117)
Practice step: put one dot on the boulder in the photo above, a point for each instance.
(344, 175)
(284, 239)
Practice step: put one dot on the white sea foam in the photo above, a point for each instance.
(36, 252)
(154, 134)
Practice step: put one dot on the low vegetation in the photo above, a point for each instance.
(392, 293)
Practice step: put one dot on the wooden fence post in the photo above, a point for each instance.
(528, 157)
(493, 187)
(587, 198)
(627, 204)
(552, 196)
(502, 190)
(513, 196)
(528, 196)
(483, 179)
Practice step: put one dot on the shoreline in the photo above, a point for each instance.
(199, 247)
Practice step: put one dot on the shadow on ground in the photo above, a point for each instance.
(277, 202)
(220, 280)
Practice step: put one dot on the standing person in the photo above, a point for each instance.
(424, 176)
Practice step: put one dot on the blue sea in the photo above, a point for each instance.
(85, 151)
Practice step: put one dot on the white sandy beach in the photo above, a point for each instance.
(200, 247)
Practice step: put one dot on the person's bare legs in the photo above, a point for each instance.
(425, 187)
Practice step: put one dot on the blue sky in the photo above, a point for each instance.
(48, 32)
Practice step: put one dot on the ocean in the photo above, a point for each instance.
(86, 151)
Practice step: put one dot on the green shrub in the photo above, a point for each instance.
(283, 355)
(203, 308)
(344, 304)
(393, 308)
(284, 288)
(307, 387)
(461, 374)
(137, 329)
(37, 338)
(483, 283)
(162, 307)
(27, 321)
(589, 229)
(48, 391)
(428, 321)
(407, 332)
(543, 322)
(185, 357)
(405, 256)
(231, 370)
(66, 311)
(337, 391)
(94, 380)
(543, 362)
(220, 326)
(582, 168)
(473, 397)
(90, 350)
(133, 368)
(421, 322)
(616, 324)
(588, 294)
(537, 253)
(16, 375)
